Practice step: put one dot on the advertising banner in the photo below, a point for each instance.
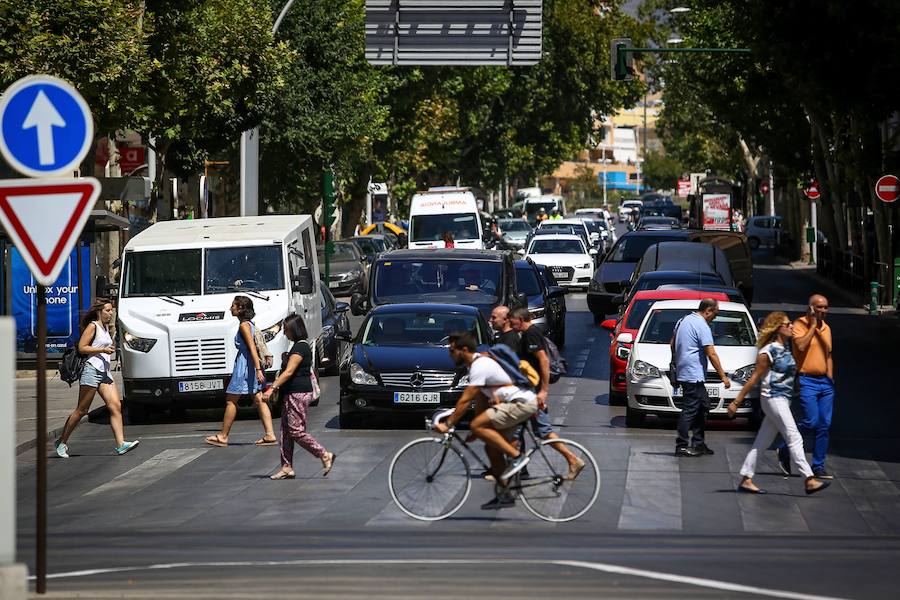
(717, 212)
(62, 303)
(684, 188)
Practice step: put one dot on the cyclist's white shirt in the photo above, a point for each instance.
(485, 373)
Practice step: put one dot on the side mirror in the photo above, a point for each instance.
(303, 281)
(609, 324)
(344, 336)
(592, 252)
(357, 304)
(103, 288)
(522, 299)
(341, 307)
(557, 291)
(521, 251)
(625, 338)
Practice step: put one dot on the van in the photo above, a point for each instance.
(532, 206)
(445, 209)
(177, 284)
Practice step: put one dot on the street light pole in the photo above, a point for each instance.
(250, 151)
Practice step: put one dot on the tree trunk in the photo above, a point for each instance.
(354, 209)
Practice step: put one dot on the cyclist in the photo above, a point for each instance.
(509, 405)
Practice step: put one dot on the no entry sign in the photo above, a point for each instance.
(812, 190)
(887, 188)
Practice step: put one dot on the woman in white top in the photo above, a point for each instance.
(96, 345)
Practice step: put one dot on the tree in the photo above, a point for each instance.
(662, 171)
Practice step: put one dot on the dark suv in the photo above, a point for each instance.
(480, 278)
(546, 299)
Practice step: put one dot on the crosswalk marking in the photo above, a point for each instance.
(150, 471)
(652, 490)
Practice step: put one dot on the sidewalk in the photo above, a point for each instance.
(61, 401)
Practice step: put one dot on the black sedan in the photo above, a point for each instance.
(347, 270)
(400, 364)
(546, 299)
(334, 320)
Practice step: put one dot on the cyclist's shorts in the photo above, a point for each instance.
(506, 415)
(541, 424)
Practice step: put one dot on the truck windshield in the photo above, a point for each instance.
(246, 268)
(449, 281)
(532, 208)
(162, 273)
(431, 228)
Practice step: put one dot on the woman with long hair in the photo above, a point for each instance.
(448, 240)
(295, 384)
(247, 377)
(97, 345)
(775, 370)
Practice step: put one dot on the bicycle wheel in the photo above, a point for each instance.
(548, 494)
(429, 480)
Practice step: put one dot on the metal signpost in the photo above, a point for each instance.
(46, 130)
(812, 192)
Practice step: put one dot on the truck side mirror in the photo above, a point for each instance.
(103, 288)
(303, 281)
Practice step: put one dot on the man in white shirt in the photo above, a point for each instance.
(509, 405)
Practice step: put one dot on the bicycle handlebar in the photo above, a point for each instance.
(437, 417)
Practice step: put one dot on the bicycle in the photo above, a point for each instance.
(430, 477)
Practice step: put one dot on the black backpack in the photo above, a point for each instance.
(71, 366)
(558, 364)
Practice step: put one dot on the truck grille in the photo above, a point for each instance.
(200, 355)
(431, 380)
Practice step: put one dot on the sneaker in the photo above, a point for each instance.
(686, 451)
(516, 465)
(501, 501)
(487, 475)
(784, 461)
(62, 450)
(127, 447)
(821, 473)
(704, 449)
(574, 470)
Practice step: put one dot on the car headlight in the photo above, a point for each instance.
(623, 352)
(139, 344)
(360, 377)
(269, 333)
(585, 266)
(644, 370)
(537, 313)
(595, 286)
(744, 373)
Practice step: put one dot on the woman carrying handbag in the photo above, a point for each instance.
(775, 370)
(294, 382)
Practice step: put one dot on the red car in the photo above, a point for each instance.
(629, 322)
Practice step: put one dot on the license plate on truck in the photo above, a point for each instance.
(417, 398)
(201, 385)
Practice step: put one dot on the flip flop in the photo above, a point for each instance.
(215, 440)
(264, 442)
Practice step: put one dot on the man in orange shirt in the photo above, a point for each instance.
(812, 351)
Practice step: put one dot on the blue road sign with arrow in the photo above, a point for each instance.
(45, 126)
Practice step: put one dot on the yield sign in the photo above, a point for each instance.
(44, 218)
(887, 188)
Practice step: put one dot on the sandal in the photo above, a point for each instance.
(215, 440)
(282, 474)
(328, 463)
(264, 442)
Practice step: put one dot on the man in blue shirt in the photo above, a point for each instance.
(692, 345)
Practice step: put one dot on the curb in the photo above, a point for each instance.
(52, 434)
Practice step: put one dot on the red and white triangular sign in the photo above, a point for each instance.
(44, 218)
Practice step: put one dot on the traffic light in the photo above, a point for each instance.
(621, 63)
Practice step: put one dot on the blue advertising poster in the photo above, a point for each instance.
(62, 303)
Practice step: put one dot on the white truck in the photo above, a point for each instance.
(445, 209)
(177, 284)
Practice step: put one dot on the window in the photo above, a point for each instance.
(419, 329)
(431, 228)
(527, 282)
(730, 328)
(545, 246)
(249, 268)
(162, 273)
(453, 281)
(632, 248)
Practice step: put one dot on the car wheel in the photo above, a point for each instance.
(753, 242)
(561, 337)
(348, 420)
(617, 398)
(633, 418)
(137, 412)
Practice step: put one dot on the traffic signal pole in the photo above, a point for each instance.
(327, 208)
(623, 52)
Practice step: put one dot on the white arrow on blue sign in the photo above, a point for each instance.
(46, 127)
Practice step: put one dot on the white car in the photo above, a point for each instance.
(629, 206)
(649, 390)
(565, 255)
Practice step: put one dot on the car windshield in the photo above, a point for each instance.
(244, 269)
(343, 252)
(508, 225)
(730, 328)
(162, 273)
(452, 281)
(527, 282)
(550, 246)
(367, 247)
(631, 248)
(653, 282)
(418, 329)
(431, 228)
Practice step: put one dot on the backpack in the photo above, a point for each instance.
(558, 364)
(71, 366)
(262, 350)
(520, 371)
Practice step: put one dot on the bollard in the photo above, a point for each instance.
(873, 302)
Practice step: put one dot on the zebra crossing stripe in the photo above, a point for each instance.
(150, 471)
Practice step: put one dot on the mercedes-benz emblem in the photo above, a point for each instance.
(417, 380)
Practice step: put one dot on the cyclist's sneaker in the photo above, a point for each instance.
(127, 447)
(501, 501)
(487, 475)
(575, 469)
(516, 465)
(524, 474)
(62, 450)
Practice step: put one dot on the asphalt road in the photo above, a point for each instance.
(178, 518)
